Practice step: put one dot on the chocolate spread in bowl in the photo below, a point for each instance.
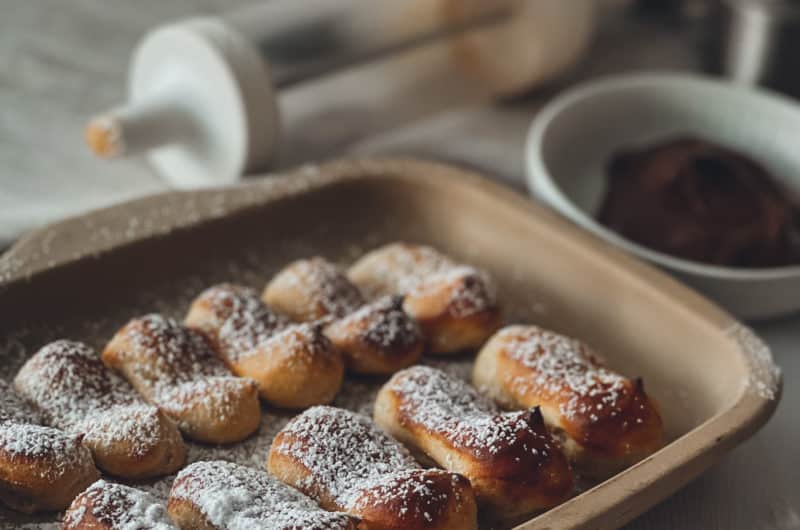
(696, 200)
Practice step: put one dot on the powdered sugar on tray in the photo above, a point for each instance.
(764, 377)
(119, 507)
(14, 409)
(236, 497)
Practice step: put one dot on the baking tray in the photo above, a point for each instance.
(84, 277)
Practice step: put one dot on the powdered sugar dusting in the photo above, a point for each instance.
(237, 320)
(176, 366)
(566, 368)
(355, 464)
(421, 271)
(63, 452)
(324, 289)
(764, 377)
(119, 507)
(75, 392)
(385, 325)
(236, 497)
(345, 451)
(14, 409)
(451, 408)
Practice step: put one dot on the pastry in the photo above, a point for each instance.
(605, 422)
(75, 392)
(220, 495)
(454, 304)
(109, 506)
(344, 462)
(515, 466)
(295, 366)
(177, 369)
(310, 289)
(41, 468)
(375, 338)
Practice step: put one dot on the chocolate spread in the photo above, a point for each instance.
(703, 202)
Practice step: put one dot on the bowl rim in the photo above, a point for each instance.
(544, 186)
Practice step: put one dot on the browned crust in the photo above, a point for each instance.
(398, 500)
(215, 407)
(509, 479)
(186, 515)
(380, 338)
(456, 312)
(294, 366)
(610, 433)
(44, 483)
(121, 457)
(310, 289)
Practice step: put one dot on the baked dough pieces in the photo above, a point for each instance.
(344, 462)
(455, 304)
(177, 369)
(605, 422)
(514, 465)
(295, 366)
(109, 506)
(377, 338)
(75, 392)
(220, 495)
(41, 468)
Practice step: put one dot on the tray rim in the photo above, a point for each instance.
(607, 505)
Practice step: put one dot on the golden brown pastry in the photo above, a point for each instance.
(295, 366)
(177, 369)
(310, 289)
(344, 462)
(376, 338)
(605, 422)
(75, 392)
(514, 465)
(41, 468)
(220, 495)
(109, 506)
(455, 304)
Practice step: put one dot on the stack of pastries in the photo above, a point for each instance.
(438, 453)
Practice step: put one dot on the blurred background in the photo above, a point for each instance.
(405, 78)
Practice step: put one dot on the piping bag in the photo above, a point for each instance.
(203, 103)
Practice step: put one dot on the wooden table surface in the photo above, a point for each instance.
(62, 61)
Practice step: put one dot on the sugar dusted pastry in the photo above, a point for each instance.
(344, 462)
(176, 368)
(375, 338)
(605, 421)
(220, 495)
(41, 468)
(514, 465)
(295, 366)
(109, 506)
(75, 392)
(455, 304)
(310, 289)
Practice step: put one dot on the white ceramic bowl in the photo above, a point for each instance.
(574, 136)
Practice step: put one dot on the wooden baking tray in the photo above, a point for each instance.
(84, 277)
